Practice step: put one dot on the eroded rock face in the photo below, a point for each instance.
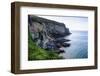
(44, 30)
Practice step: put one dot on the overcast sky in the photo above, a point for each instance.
(72, 22)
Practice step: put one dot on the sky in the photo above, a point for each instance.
(71, 22)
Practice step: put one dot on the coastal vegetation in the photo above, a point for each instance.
(37, 53)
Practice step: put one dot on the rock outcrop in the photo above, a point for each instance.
(45, 30)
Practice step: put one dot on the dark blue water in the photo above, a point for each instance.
(78, 47)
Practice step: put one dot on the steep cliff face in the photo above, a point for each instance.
(44, 30)
(53, 28)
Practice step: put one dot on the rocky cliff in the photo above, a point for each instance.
(44, 30)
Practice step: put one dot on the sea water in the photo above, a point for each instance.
(78, 45)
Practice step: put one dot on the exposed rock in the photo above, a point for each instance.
(61, 40)
(65, 44)
(53, 28)
(47, 33)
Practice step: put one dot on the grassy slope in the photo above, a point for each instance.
(37, 53)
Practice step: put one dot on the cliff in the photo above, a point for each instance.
(45, 31)
(53, 28)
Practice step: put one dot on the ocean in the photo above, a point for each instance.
(78, 45)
